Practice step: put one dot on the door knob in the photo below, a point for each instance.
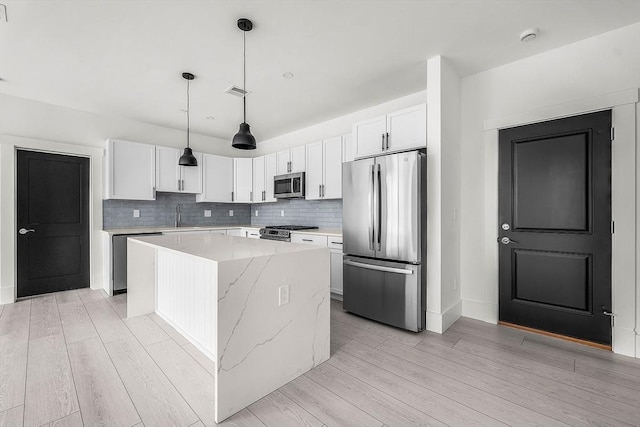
(25, 231)
(506, 240)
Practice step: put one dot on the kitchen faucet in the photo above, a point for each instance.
(178, 216)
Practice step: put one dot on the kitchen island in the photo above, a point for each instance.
(258, 308)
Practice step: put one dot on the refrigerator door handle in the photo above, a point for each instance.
(378, 267)
(372, 204)
(379, 207)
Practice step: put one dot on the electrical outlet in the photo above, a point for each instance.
(283, 295)
(136, 213)
(230, 212)
(256, 212)
(282, 212)
(207, 213)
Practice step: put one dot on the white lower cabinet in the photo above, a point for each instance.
(335, 255)
(235, 232)
(251, 233)
(336, 271)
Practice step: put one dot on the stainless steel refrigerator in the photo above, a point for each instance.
(384, 238)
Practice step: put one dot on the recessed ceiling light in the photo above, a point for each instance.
(528, 35)
(210, 118)
(287, 75)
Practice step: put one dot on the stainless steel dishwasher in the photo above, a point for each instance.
(119, 258)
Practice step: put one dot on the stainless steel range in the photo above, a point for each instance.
(282, 232)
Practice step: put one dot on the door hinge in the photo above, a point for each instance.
(613, 227)
(613, 134)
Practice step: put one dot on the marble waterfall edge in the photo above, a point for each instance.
(263, 345)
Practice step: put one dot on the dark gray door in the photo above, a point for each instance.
(555, 226)
(53, 222)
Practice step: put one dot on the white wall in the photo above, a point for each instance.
(443, 194)
(36, 120)
(338, 126)
(557, 80)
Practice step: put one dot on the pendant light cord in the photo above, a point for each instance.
(244, 75)
(188, 118)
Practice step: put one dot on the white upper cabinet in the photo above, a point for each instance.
(332, 155)
(258, 180)
(264, 169)
(314, 178)
(242, 179)
(130, 170)
(298, 159)
(369, 136)
(348, 148)
(270, 170)
(324, 169)
(175, 178)
(407, 128)
(291, 160)
(217, 179)
(401, 130)
(192, 176)
(167, 171)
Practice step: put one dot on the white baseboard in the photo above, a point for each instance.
(434, 322)
(625, 341)
(7, 295)
(486, 312)
(637, 356)
(450, 315)
(440, 322)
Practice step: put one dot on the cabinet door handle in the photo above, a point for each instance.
(320, 190)
(387, 140)
(251, 195)
(264, 195)
(178, 185)
(232, 196)
(336, 243)
(307, 240)
(382, 141)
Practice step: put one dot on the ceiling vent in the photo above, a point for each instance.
(235, 90)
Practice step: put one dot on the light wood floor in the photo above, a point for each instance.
(69, 359)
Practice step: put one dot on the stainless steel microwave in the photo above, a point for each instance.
(289, 186)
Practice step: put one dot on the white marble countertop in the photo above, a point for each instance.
(216, 247)
(137, 230)
(334, 232)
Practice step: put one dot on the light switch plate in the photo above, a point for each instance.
(230, 212)
(207, 213)
(136, 213)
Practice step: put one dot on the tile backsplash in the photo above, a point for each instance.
(161, 212)
(321, 213)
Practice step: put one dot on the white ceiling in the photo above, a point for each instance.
(125, 58)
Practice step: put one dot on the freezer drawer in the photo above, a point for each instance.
(385, 291)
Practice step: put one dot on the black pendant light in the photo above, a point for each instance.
(243, 139)
(187, 158)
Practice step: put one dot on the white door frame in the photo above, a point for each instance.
(625, 296)
(8, 205)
